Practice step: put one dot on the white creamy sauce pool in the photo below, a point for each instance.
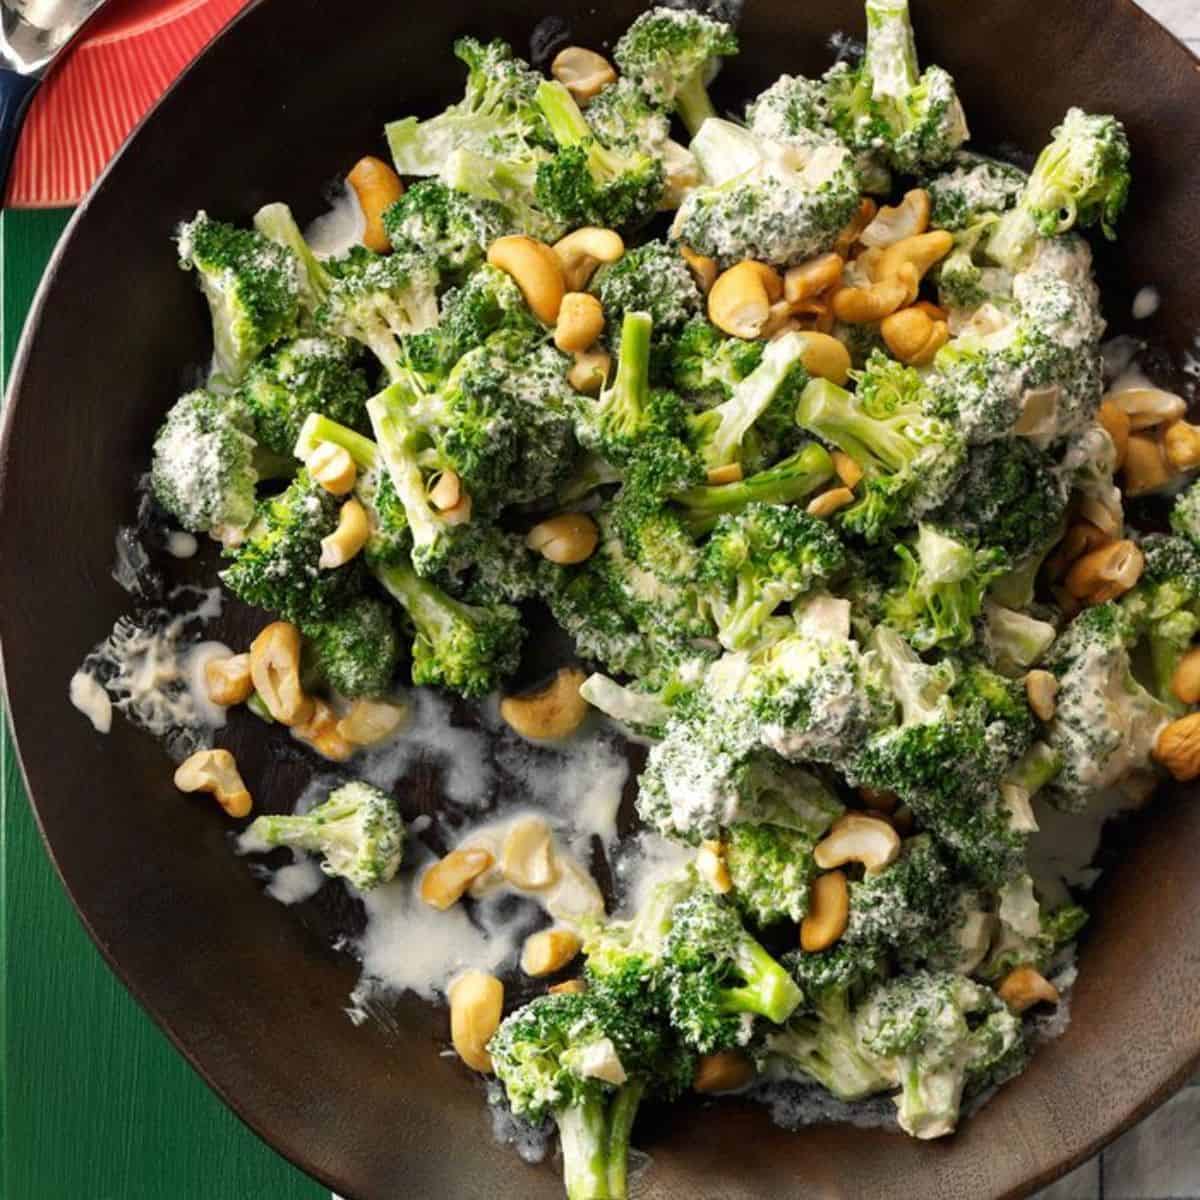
(1145, 303)
(335, 232)
(181, 544)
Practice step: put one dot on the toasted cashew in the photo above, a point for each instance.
(1116, 423)
(589, 371)
(548, 950)
(216, 772)
(348, 538)
(476, 1003)
(377, 187)
(1107, 573)
(848, 471)
(566, 539)
(568, 987)
(1081, 538)
(581, 252)
(527, 858)
(704, 269)
(882, 802)
(1181, 442)
(332, 467)
(227, 680)
(1147, 407)
(856, 837)
(538, 273)
(1185, 680)
(580, 322)
(913, 336)
(554, 712)
(827, 503)
(320, 732)
(711, 867)
(729, 473)
(584, 73)
(847, 239)
(725, 1071)
(275, 669)
(445, 490)
(824, 357)
(920, 252)
(1177, 747)
(444, 883)
(460, 513)
(371, 721)
(893, 224)
(808, 279)
(1146, 467)
(1041, 690)
(741, 298)
(828, 911)
(863, 305)
(779, 321)
(1023, 987)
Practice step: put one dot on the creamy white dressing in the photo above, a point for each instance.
(181, 544)
(92, 700)
(1146, 303)
(337, 231)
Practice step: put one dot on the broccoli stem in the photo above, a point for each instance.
(431, 610)
(1037, 767)
(317, 429)
(1012, 238)
(768, 991)
(621, 1115)
(834, 414)
(693, 104)
(583, 1132)
(631, 387)
(399, 441)
(788, 481)
(891, 57)
(568, 126)
(275, 221)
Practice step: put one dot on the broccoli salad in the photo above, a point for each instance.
(794, 422)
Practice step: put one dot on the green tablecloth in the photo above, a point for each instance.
(96, 1105)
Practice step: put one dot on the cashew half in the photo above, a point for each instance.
(589, 371)
(1177, 747)
(548, 950)
(275, 669)
(741, 298)
(371, 721)
(711, 867)
(1185, 681)
(1116, 423)
(905, 220)
(913, 336)
(1041, 690)
(321, 732)
(332, 467)
(1081, 538)
(704, 269)
(725, 1071)
(566, 539)
(536, 271)
(216, 772)
(377, 187)
(858, 838)
(828, 912)
(864, 305)
(1146, 468)
(350, 536)
(848, 238)
(476, 1003)
(584, 73)
(829, 502)
(920, 252)
(808, 279)
(554, 712)
(444, 883)
(527, 859)
(1181, 443)
(1107, 573)
(581, 252)
(1023, 987)
(580, 322)
(824, 357)
(227, 680)
(1147, 407)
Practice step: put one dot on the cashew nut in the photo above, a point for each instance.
(321, 732)
(740, 299)
(216, 772)
(1107, 573)
(444, 490)
(535, 270)
(566, 539)
(460, 513)
(1147, 407)
(725, 1071)
(847, 239)
(1041, 690)
(568, 987)
(350, 536)
(779, 321)
(712, 868)
(589, 371)
(1185, 681)
(920, 252)
(824, 357)
(1024, 987)
(1177, 747)
(863, 305)
(848, 471)
(882, 802)
(275, 670)
(371, 721)
(828, 911)
(856, 837)
(1146, 467)
(1181, 442)
(827, 503)
(584, 73)
(527, 858)
(1081, 538)
(893, 224)
(580, 322)
(227, 680)
(333, 468)
(1116, 424)
(729, 473)
(554, 712)
(443, 884)
(548, 950)
(808, 279)
(581, 252)
(703, 268)
(476, 1003)
(913, 336)
(377, 187)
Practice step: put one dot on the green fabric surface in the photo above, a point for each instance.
(96, 1105)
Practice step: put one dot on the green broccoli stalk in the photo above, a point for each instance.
(358, 831)
(645, 713)
(275, 221)
(586, 182)
(355, 650)
(508, 185)
(1080, 179)
(673, 55)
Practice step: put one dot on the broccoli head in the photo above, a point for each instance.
(771, 870)
(355, 650)
(450, 227)
(970, 187)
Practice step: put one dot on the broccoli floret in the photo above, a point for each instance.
(1013, 949)
(940, 589)
(910, 459)
(252, 285)
(913, 118)
(203, 470)
(1080, 179)
(451, 228)
(510, 186)
(965, 280)
(497, 115)
(276, 223)
(586, 182)
(309, 375)
(1105, 723)
(355, 650)
(503, 568)
(358, 831)
(278, 564)
(1014, 641)
(644, 713)
(970, 187)
(706, 365)
(770, 869)
(778, 204)
(674, 54)
(1185, 514)
(467, 648)
(936, 1034)
(760, 558)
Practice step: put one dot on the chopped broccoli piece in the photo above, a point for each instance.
(706, 365)
(969, 187)
(354, 651)
(451, 228)
(1185, 514)
(771, 870)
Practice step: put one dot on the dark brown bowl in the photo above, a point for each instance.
(291, 95)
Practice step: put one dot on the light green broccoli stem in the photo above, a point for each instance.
(622, 1113)
(569, 127)
(435, 614)
(1012, 238)
(693, 104)
(768, 991)
(640, 710)
(891, 57)
(502, 183)
(317, 429)
(399, 439)
(594, 1136)
(834, 414)
(275, 221)
(624, 404)
(1036, 768)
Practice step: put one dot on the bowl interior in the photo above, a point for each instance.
(251, 992)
